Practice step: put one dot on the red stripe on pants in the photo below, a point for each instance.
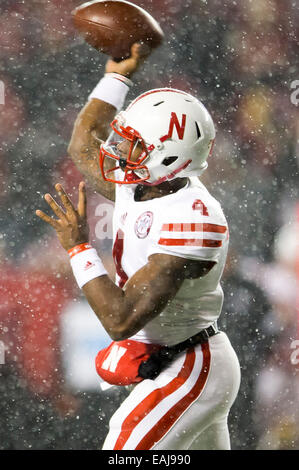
(170, 418)
(156, 396)
(153, 399)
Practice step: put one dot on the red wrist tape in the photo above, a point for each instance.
(78, 249)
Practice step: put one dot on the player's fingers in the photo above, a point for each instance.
(140, 50)
(49, 220)
(82, 202)
(55, 207)
(65, 199)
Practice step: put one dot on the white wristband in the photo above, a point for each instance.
(86, 265)
(112, 89)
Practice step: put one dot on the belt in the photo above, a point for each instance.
(157, 361)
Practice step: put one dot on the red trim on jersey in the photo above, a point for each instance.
(194, 227)
(117, 253)
(170, 418)
(153, 399)
(190, 242)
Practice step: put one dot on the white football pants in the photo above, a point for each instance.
(185, 407)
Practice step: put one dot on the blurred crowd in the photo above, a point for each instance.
(241, 59)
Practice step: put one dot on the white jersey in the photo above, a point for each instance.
(190, 224)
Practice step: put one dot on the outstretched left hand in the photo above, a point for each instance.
(71, 226)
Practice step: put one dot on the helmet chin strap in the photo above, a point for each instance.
(171, 175)
(146, 183)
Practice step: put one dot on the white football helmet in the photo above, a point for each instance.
(175, 133)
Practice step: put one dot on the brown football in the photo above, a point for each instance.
(112, 26)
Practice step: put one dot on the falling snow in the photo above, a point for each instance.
(241, 60)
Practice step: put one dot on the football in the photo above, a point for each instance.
(112, 26)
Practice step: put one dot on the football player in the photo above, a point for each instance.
(170, 246)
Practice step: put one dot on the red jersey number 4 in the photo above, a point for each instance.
(198, 205)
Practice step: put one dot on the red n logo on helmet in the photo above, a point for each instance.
(180, 128)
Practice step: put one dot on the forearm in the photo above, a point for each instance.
(95, 117)
(91, 127)
(124, 312)
(110, 304)
(92, 124)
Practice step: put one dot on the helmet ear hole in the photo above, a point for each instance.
(198, 130)
(169, 160)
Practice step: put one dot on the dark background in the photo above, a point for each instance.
(240, 58)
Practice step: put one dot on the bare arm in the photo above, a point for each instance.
(123, 312)
(92, 126)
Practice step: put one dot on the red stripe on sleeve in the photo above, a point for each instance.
(190, 242)
(194, 227)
